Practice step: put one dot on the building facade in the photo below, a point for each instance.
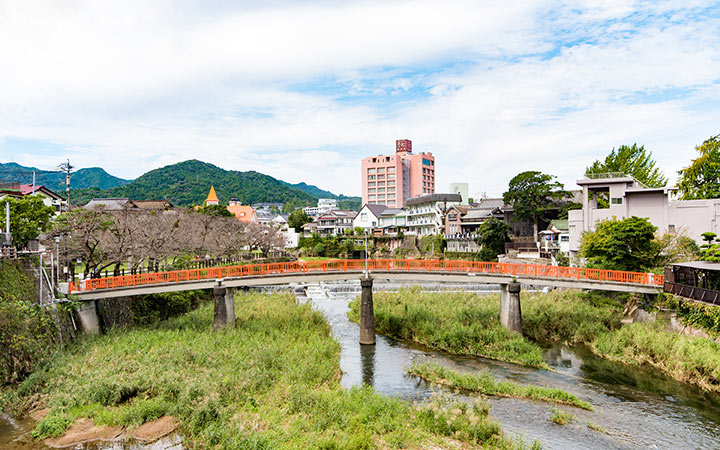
(335, 223)
(391, 180)
(426, 214)
(324, 205)
(626, 197)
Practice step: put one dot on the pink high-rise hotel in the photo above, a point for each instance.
(391, 180)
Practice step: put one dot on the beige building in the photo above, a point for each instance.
(626, 197)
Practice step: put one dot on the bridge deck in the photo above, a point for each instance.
(411, 270)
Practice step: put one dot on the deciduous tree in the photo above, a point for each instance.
(494, 234)
(702, 178)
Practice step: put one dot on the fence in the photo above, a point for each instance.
(693, 293)
(356, 265)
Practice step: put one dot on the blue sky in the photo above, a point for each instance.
(303, 90)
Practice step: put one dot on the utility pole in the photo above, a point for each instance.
(66, 167)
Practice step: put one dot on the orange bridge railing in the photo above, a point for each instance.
(355, 265)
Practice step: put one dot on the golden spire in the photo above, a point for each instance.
(212, 198)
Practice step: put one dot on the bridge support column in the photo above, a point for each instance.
(367, 315)
(89, 318)
(510, 314)
(224, 312)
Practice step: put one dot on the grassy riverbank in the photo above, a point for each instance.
(485, 383)
(694, 360)
(272, 382)
(467, 324)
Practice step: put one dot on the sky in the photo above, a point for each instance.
(302, 91)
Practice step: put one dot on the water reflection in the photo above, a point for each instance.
(367, 360)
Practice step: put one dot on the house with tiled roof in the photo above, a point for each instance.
(243, 213)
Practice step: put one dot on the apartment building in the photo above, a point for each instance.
(426, 214)
(391, 180)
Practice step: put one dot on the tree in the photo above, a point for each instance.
(634, 161)
(494, 233)
(627, 244)
(297, 219)
(28, 217)
(215, 210)
(85, 232)
(702, 178)
(531, 193)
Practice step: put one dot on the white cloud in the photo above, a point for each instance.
(134, 85)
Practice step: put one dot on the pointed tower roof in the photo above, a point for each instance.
(212, 198)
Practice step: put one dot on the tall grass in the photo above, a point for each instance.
(272, 382)
(485, 383)
(693, 360)
(468, 324)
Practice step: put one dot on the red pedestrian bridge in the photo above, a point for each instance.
(394, 269)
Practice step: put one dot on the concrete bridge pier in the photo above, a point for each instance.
(224, 312)
(89, 318)
(367, 315)
(510, 314)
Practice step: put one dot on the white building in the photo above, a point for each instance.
(369, 217)
(393, 220)
(324, 205)
(335, 223)
(627, 197)
(461, 189)
(426, 214)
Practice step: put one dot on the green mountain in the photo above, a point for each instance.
(188, 182)
(83, 178)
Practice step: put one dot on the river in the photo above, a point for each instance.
(634, 408)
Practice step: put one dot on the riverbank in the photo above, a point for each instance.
(464, 323)
(272, 382)
(467, 324)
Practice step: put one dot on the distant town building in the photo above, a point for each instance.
(243, 213)
(426, 214)
(335, 223)
(391, 180)
(462, 189)
(212, 198)
(50, 198)
(324, 205)
(368, 217)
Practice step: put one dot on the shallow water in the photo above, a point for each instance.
(635, 408)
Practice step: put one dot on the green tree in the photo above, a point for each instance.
(634, 161)
(627, 244)
(297, 219)
(531, 194)
(215, 210)
(702, 178)
(494, 233)
(28, 218)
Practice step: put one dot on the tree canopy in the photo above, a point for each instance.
(702, 178)
(531, 194)
(627, 244)
(493, 236)
(297, 219)
(634, 161)
(28, 217)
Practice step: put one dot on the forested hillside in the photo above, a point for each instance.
(83, 178)
(187, 183)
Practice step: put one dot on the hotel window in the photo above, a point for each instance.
(371, 170)
(381, 177)
(391, 169)
(391, 183)
(390, 176)
(371, 197)
(391, 190)
(381, 170)
(381, 190)
(371, 184)
(371, 177)
(371, 191)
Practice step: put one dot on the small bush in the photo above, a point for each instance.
(560, 417)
